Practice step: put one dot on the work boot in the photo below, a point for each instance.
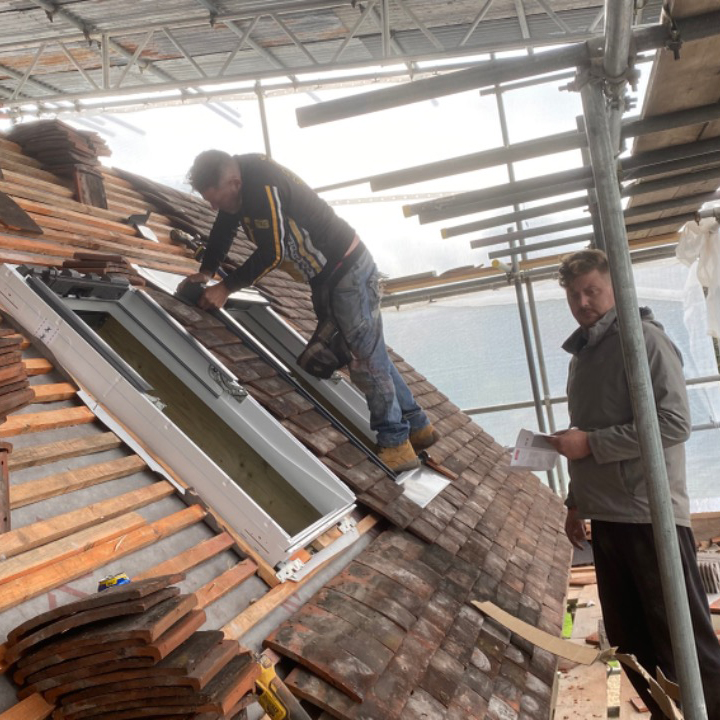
(424, 438)
(399, 458)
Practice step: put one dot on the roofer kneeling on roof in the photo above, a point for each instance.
(608, 485)
(295, 230)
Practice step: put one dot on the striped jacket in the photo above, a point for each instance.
(290, 225)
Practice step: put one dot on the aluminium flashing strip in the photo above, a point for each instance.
(422, 484)
(137, 412)
(168, 282)
(118, 429)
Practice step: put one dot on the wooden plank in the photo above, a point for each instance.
(190, 558)
(53, 392)
(37, 366)
(36, 245)
(67, 547)
(224, 583)
(21, 166)
(21, 258)
(587, 614)
(34, 707)
(5, 449)
(65, 244)
(582, 693)
(52, 452)
(627, 693)
(42, 581)
(14, 178)
(48, 420)
(74, 216)
(45, 531)
(71, 480)
(249, 617)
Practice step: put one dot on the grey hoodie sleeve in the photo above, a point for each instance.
(619, 442)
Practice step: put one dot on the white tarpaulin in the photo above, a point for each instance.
(701, 242)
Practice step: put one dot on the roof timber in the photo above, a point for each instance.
(676, 86)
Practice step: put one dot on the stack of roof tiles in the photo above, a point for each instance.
(67, 152)
(393, 635)
(131, 651)
(59, 146)
(15, 392)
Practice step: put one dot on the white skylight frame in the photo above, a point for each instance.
(136, 410)
(249, 310)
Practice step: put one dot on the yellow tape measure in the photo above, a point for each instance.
(267, 698)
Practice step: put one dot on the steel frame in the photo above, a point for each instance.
(117, 63)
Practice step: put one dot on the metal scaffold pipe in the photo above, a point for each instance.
(497, 71)
(602, 154)
(618, 32)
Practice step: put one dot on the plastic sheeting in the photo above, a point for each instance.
(700, 244)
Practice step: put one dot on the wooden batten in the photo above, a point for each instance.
(58, 550)
(41, 581)
(52, 452)
(5, 450)
(71, 480)
(49, 420)
(190, 558)
(43, 532)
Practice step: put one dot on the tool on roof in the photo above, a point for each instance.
(141, 228)
(196, 243)
(274, 697)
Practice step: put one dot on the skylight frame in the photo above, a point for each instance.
(137, 411)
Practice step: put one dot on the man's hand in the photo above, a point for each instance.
(198, 277)
(575, 529)
(573, 443)
(214, 297)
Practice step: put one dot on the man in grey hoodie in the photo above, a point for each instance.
(607, 482)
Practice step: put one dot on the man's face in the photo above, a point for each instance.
(590, 296)
(225, 195)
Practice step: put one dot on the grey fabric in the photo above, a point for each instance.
(609, 484)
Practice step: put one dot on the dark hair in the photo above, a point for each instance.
(207, 169)
(582, 263)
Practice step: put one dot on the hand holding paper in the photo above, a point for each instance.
(533, 451)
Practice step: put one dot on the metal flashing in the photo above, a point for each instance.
(422, 484)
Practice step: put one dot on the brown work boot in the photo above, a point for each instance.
(424, 438)
(400, 458)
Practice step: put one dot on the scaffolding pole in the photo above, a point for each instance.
(542, 406)
(498, 71)
(602, 153)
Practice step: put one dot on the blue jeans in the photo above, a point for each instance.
(355, 302)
